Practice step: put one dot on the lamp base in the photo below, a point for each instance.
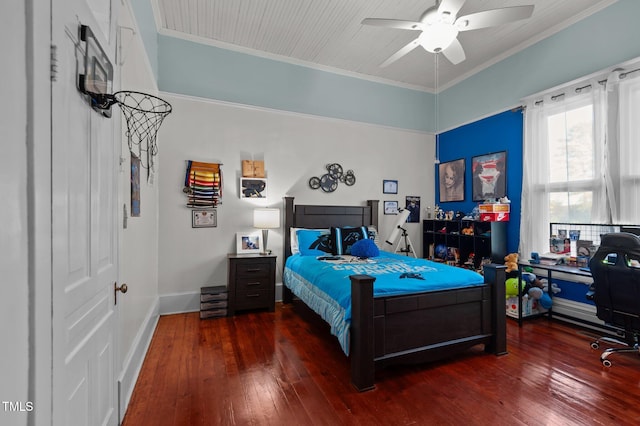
(265, 236)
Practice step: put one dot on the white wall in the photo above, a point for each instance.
(14, 300)
(294, 147)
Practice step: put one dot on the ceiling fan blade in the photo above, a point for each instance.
(392, 23)
(490, 18)
(454, 53)
(451, 7)
(400, 53)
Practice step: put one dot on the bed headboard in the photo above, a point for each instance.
(321, 216)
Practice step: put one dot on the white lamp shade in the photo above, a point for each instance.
(266, 218)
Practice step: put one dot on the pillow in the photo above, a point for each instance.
(313, 242)
(293, 237)
(365, 248)
(343, 238)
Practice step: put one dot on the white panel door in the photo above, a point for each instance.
(84, 233)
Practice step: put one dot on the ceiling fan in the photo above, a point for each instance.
(439, 27)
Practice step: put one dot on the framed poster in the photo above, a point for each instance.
(413, 205)
(389, 186)
(451, 176)
(390, 207)
(489, 173)
(204, 218)
(249, 242)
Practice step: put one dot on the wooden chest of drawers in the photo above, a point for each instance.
(251, 282)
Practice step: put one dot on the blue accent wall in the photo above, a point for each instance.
(501, 132)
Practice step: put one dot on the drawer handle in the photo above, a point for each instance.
(253, 295)
(255, 283)
(253, 270)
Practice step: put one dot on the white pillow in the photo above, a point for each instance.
(373, 235)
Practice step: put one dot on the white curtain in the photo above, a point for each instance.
(534, 220)
(627, 203)
(616, 181)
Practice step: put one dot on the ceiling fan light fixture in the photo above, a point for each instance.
(437, 37)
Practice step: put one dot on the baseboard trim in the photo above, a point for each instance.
(180, 303)
(134, 359)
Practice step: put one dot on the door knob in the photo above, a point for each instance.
(123, 288)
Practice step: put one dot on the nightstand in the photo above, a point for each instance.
(251, 282)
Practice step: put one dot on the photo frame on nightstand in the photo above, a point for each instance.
(249, 242)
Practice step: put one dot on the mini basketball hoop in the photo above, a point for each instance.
(143, 114)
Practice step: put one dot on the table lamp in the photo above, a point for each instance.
(266, 219)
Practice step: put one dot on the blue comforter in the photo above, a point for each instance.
(325, 287)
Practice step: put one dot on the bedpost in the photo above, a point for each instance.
(496, 276)
(362, 345)
(287, 295)
(374, 212)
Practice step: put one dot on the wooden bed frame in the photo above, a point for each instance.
(383, 329)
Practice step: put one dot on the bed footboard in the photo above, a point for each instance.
(383, 329)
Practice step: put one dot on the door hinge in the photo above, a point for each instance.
(54, 62)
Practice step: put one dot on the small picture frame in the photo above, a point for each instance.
(253, 188)
(204, 218)
(389, 186)
(390, 207)
(249, 242)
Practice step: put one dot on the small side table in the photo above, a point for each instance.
(251, 282)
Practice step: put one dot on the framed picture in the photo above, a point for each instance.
(204, 218)
(389, 186)
(390, 207)
(451, 177)
(413, 205)
(249, 242)
(489, 173)
(253, 188)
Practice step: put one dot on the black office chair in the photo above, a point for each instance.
(615, 268)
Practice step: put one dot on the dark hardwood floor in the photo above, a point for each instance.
(284, 368)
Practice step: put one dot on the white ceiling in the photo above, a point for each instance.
(327, 34)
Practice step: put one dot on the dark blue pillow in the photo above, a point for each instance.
(365, 248)
(343, 238)
(313, 242)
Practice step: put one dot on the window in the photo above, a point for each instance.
(571, 164)
(582, 157)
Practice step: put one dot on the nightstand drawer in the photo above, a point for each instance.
(252, 283)
(252, 298)
(253, 269)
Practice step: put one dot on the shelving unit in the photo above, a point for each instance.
(489, 240)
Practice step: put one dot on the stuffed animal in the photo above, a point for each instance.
(511, 262)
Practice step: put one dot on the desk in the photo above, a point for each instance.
(571, 270)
